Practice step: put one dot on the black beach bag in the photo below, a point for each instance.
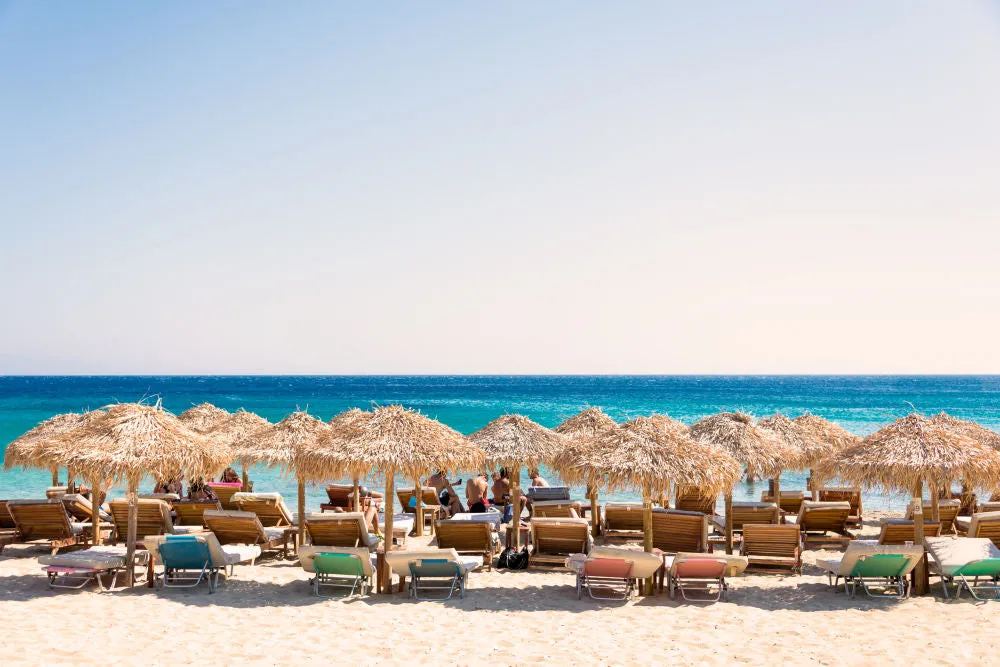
(512, 559)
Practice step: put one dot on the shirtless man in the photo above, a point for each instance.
(501, 487)
(446, 492)
(536, 479)
(475, 493)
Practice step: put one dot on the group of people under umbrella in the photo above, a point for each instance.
(124, 443)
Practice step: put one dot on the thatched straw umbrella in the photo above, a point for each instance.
(237, 428)
(387, 441)
(756, 449)
(974, 431)
(792, 436)
(651, 454)
(276, 445)
(342, 427)
(822, 439)
(512, 441)
(27, 450)
(203, 418)
(914, 450)
(582, 429)
(131, 440)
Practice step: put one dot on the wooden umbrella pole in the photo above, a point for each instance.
(920, 574)
(729, 522)
(302, 510)
(647, 532)
(357, 494)
(55, 477)
(418, 507)
(515, 491)
(246, 479)
(132, 495)
(776, 481)
(385, 576)
(813, 486)
(595, 511)
(95, 509)
(935, 507)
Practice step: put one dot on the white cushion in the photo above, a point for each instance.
(94, 558)
(240, 553)
(951, 553)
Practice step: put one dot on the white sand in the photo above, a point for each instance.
(267, 615)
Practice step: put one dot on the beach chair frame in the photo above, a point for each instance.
(708, 588)
(182, 574)
(435, 574)
(339, 570)
(877, 570)
(617, 588)
(77, 577)
(977, 569)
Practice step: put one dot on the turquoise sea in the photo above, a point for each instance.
(860, 404)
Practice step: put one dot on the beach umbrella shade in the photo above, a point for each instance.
(912, 451)
(392, 440)
(756, 449)
(822, 439)
(237, 428)
(203, 418)
(792, 436)
(28, 450)
(342, 427)
(582, 429)
(651, 454)
(512, 441)
(275, 445)
(131, 440)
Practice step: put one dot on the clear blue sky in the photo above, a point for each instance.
(515, 187)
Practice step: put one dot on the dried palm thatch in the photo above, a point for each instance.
(975, 432)
(643, 454)
(913, 450)
(515, 440)
(275, 445)
(757, 450)
(203, 418)
(823, 439)
(29, 450)
(236, 428)
(586, 424)
(131, 440)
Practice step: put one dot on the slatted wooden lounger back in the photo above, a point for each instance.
(152, 518)
(336, 530)
(270, 509)
(817, 519)
(622, 521)
(768, 546)
(947, 510)
(46, 520)
(467, 537)
(845, 494)
(901, 531)
(555, 539)
(676, 531)
(790, 501)
(557, 509)
(190, 513)
(225, 493)
(690, 499)
(237, 527)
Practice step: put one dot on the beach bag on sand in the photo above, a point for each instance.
(512, 559)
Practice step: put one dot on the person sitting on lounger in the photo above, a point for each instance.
(230, 476)
(475, 493)
(446, 492)
(200, 491)
(172, 485)
(537, 479)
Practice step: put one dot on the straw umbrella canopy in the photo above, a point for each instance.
(792, 436)
(512, 441)
(131, 440)
(275, 445)
(974, 431)
(235, 429)
(756, 449)
(651, 454)
(392, 440)
(582, 429)
(203, 418)
(823, 439)
(342, 427)
(28, 450)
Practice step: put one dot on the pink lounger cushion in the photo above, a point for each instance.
(607, 567)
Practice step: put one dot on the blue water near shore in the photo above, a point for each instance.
(860, 404)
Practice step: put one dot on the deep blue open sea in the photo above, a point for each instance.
(858, 403)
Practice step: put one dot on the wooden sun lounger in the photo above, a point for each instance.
(817, 519)
(270, 508)
(225, 492)
(901, 531)
(691, 499)
(47, 520)
(790, 501)
(152, 518)
(676, 531)
(341, 529)
(984, 524)
(947, 510)
(237, 527)
(748, 512)
(80, 509)
(557, 509)
(768, 546)
(341, 498)
(468, 537)
(189, 513)
(6, 520)
(845, 494)
(553, 540)
(622, 521)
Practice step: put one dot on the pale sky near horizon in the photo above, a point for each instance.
(556, 187)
